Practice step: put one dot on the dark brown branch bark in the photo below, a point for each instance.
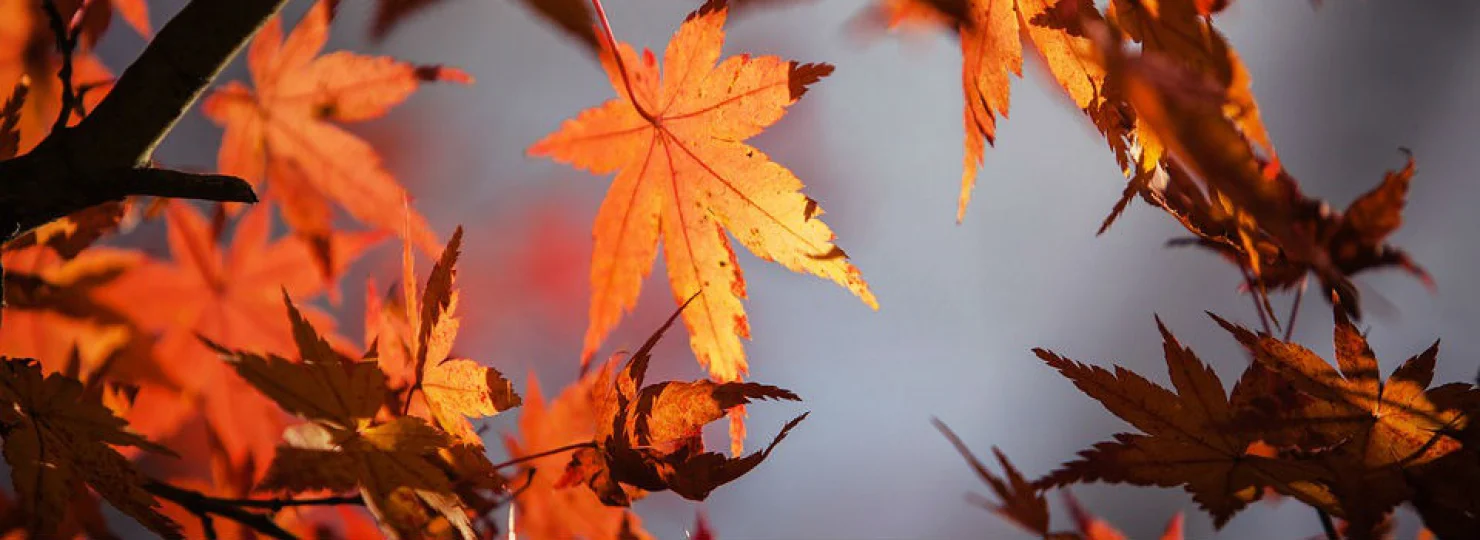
(106, 156)
(205, 507)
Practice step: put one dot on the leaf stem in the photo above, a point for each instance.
(611, 43)
(1327, 525)
(1254, 293)
(546, 453)
(208, 525)
(1294, 310)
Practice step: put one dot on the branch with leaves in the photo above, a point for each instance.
(105, 157)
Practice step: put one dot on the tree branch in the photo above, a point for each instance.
(157, 89)
(204, 507)
(105, 157)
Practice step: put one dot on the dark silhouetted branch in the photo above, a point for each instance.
(105, 157)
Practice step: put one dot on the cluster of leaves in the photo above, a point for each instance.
(1339, 438)
(685, 174)
(649, 438)
(192, 351)
(1180, 119)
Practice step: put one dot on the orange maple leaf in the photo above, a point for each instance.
(50, 313)
(453, 389)
(992, 35)
(283, 132)
(233, 298)
(1182, 31)
(683, 173)
(544, 510)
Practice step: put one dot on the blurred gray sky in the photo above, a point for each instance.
(879, 144)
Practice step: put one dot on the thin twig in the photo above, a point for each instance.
(611, 42)
(66, 44)
(528, 481)
(406, 407)
(1294, 310)
(1254, 295)
(205, 506)
(1327, 525)
(73, 168)
(208, 525)
(546, 453)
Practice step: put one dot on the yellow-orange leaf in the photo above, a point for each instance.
(460, 388)
(990, 50)
(992, 35)
(282, 130)
(684, 174)
(231, 295)
(416, 342)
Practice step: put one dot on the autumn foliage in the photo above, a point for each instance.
(206, 389)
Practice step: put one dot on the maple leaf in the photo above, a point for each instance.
(1180, 31)
(51, 312)
(1356, 240)
(547, 508)
(1254, 211)
(684, 174)
(57, 440)
(283, 132)
(72, 233)
(992, 35)
(231, 296)
(387, 335)
(418, 344)
(1188, 437)
(394, 464)
(1369, 431)
(1022, 503)
(649, 438)
(1446, 491)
